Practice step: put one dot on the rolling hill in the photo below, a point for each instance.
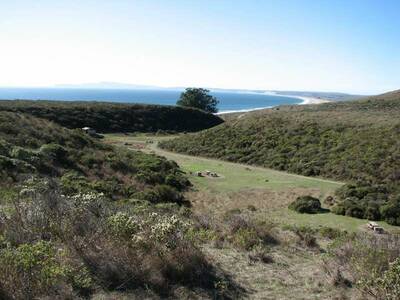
(115, 117)
(357, 142)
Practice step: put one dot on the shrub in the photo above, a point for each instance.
(372, 212)
(355, 211)
(391, 212)
(306, 204)
(31, 270)
(4, 147)
(262, 255)
(370, 262)
(245, 238)
(25, 154)
(331, 233)
(123, 225)
(54, 152)
(163, 193)
(246, 234)
(339, 209)
(390, 281)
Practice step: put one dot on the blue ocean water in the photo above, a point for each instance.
(228, 101)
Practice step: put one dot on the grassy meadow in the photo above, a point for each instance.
(241, 186)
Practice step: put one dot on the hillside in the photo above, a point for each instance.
(115, 117)
(357, 142)
(79, 218)
(31, 146)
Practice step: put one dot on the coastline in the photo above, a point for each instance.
(311, 100)
(305, 101)
(241, 110)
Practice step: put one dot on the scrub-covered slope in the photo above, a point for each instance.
(116, 117)
(35, 147)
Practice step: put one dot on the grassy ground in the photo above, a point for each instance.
(233, 176)
(240, 186)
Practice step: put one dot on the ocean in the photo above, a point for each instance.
(228, 100)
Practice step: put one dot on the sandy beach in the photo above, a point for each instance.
(311, 100)
(305, 101)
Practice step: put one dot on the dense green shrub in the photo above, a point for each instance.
(391, 212)
(355, 211)
(162, 193)
(339, 209)
(367, 202)
(372, 212)
(24, 154)
(54, 152)
(306, 204)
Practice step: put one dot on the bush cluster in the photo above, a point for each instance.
(306, 204)
(66, 247)
(372, 202)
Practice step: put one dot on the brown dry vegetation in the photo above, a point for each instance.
(261, 199)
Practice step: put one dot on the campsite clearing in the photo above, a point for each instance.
(243, 186)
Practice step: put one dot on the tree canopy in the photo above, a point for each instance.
(198, 98)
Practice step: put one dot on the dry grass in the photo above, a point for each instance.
(291, 275)
(262, 199)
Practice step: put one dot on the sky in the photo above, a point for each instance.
(317, 45)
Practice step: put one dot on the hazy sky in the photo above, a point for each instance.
(328, 45)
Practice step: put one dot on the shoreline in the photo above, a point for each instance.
(305, 101)
(241, 110)
(311, 100)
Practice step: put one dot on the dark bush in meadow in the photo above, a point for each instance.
(306, 204)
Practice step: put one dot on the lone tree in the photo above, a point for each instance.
(198, 98)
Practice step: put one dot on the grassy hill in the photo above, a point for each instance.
(357, 142)
(116, 117)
